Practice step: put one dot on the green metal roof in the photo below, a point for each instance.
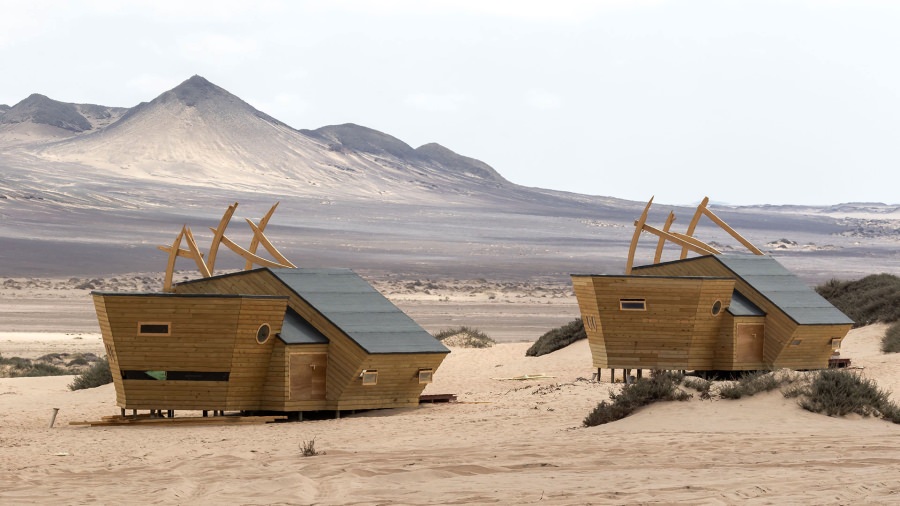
(359, 310)
(296, 330)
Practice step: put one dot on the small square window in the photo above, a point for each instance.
(425, 375)
(632, 304)
(836, 343)
(369, 377)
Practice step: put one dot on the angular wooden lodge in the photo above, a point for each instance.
(713, 312)
(268, 339)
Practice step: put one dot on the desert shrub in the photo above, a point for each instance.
(701, 385)
(751, 384)
(890, 343)
(98, 374)
(874, 298)
(308, 448)
(43, 369)
(840, 392)
(557, 338)
(661, 386)
(18, 367)
(465, 337)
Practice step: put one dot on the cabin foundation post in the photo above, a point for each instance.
(123, 411)
(337, 414)
(639, 373)
(205, 413)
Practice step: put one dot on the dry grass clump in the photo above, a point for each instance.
(890, 343)
(753, 383)
(464, 337)
(52, 364)
(308, 448)
(98, 374)
(702, 386)
(557, 338)
(661, 386)
(874, 298)
(838, 392)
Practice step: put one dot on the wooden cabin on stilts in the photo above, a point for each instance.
(271, 338)
(710, 312)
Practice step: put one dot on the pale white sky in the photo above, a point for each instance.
(745, 101)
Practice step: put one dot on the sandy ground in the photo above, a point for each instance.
(505, 442)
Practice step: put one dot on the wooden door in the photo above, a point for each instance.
(749, 345)
(307, 374)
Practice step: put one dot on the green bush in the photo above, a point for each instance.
(839, 392)
(98, 374)
(557, 338)
(890, 343)
(874, 298)
(661, 386)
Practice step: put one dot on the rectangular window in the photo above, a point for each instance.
(633, 304)
(836, 343)
(154, 329)
(425, 375)
(796, 342)
(176, 375)
(369, 377)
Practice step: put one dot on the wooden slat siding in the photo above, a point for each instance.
(193, 395)
(677, 331)
(587, 304)
(250, 359)
(398, 381)
(780, 331)
(109, 345)
(344, 357)
(814, 349)
(207, 335)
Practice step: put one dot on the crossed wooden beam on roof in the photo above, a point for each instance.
(207, 267)
(687, 241)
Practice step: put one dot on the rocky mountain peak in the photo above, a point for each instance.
(40, 109)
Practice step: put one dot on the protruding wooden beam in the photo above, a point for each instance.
(195, 253)
(218, 233)
(246, 255)
(638, 227)
(693, 224)
(682, 240)
(260, 238)
(262, 227)
(662, 240)
(170, 265)
(718, 221)
(181, 251)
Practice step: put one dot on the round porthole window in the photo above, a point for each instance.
(262, 334)
(717, 307)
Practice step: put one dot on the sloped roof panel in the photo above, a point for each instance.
(359, 310)
(296, 330)
(785, 290)
(741, 306)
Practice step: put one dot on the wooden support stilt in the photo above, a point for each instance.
(123, 411)
(337, 414)
(639, 373)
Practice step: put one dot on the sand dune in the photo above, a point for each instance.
(506, 442)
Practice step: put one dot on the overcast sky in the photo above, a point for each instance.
(744, 101)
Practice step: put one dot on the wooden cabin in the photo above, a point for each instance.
(268, 339)
(713, 312)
